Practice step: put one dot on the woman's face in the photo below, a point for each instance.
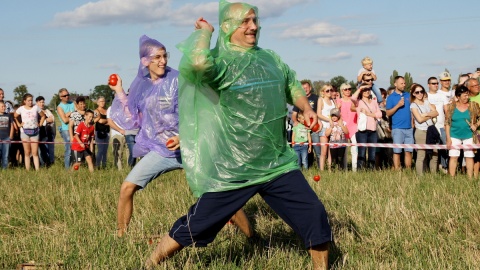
(28, 101)
(328, 91)
(419, 93)
(464, 98)
(347, 92)
(81, 106)
(101, 102)
(365, 92)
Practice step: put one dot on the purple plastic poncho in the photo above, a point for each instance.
(151, 106)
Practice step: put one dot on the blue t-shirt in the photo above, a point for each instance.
(69, 107)
(459, 128)
(402, 118)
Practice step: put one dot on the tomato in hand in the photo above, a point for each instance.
(169, 142)
(314, 128)
(113, 79)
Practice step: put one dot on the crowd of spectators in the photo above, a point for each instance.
(440, 113)
(28, 132)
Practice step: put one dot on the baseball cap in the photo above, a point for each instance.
(444, 76)
(335, 112)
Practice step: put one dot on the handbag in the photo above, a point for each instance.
(31, 131)
(381, 134)
(362, 122)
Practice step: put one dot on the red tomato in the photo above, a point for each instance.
(169, 142)
(113, 79)
(316, 178)
(202, 20)
(75, 167)
(314, 128)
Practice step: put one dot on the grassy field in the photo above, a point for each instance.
(381, 220)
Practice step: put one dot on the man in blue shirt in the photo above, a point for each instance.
(398, 109)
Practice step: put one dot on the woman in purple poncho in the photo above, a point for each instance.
(152, 106)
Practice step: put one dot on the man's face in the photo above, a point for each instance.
(473, 87)
(400, 84)
(307, 88)
(64, 96)
(246, 34)
(2, 94)
(433, 85)
(368, 80)
(158, 63)
(41, 104)
(445, 84)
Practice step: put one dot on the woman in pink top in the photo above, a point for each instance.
(349, 115)
(368, 132)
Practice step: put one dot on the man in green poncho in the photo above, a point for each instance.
(232, 104)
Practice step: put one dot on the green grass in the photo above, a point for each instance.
(380, 220)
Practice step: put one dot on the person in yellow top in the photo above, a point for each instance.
(232, 109)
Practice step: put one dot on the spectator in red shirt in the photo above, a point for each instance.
(81, 141)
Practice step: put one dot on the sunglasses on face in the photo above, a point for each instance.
(368, 80)
(347, 89)
(419, 92)
(328, 90)
(434, 83)
(65, 95)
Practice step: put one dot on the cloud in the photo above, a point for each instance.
(107, 12)
(336, 57)
(327, 34)
(460, 47)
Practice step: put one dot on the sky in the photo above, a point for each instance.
(53, 44)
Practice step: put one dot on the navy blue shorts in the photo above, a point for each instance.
(289, 195)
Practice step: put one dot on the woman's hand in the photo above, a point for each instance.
(118, 86)
(449, 143)
(173, 143)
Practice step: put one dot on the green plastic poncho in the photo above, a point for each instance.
(232, 106)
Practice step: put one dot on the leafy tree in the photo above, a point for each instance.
(52, 105)
(392, 78)
(317, 85)
(19, 92)
(337, 81)
(408, 79)
(102, 91)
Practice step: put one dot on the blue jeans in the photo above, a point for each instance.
(43, 152)
(4, 151)
(130, 140)
(367, 136)
(377, 93)
(302, 153)
(316, 148)
(68, 150)
(102, 149)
